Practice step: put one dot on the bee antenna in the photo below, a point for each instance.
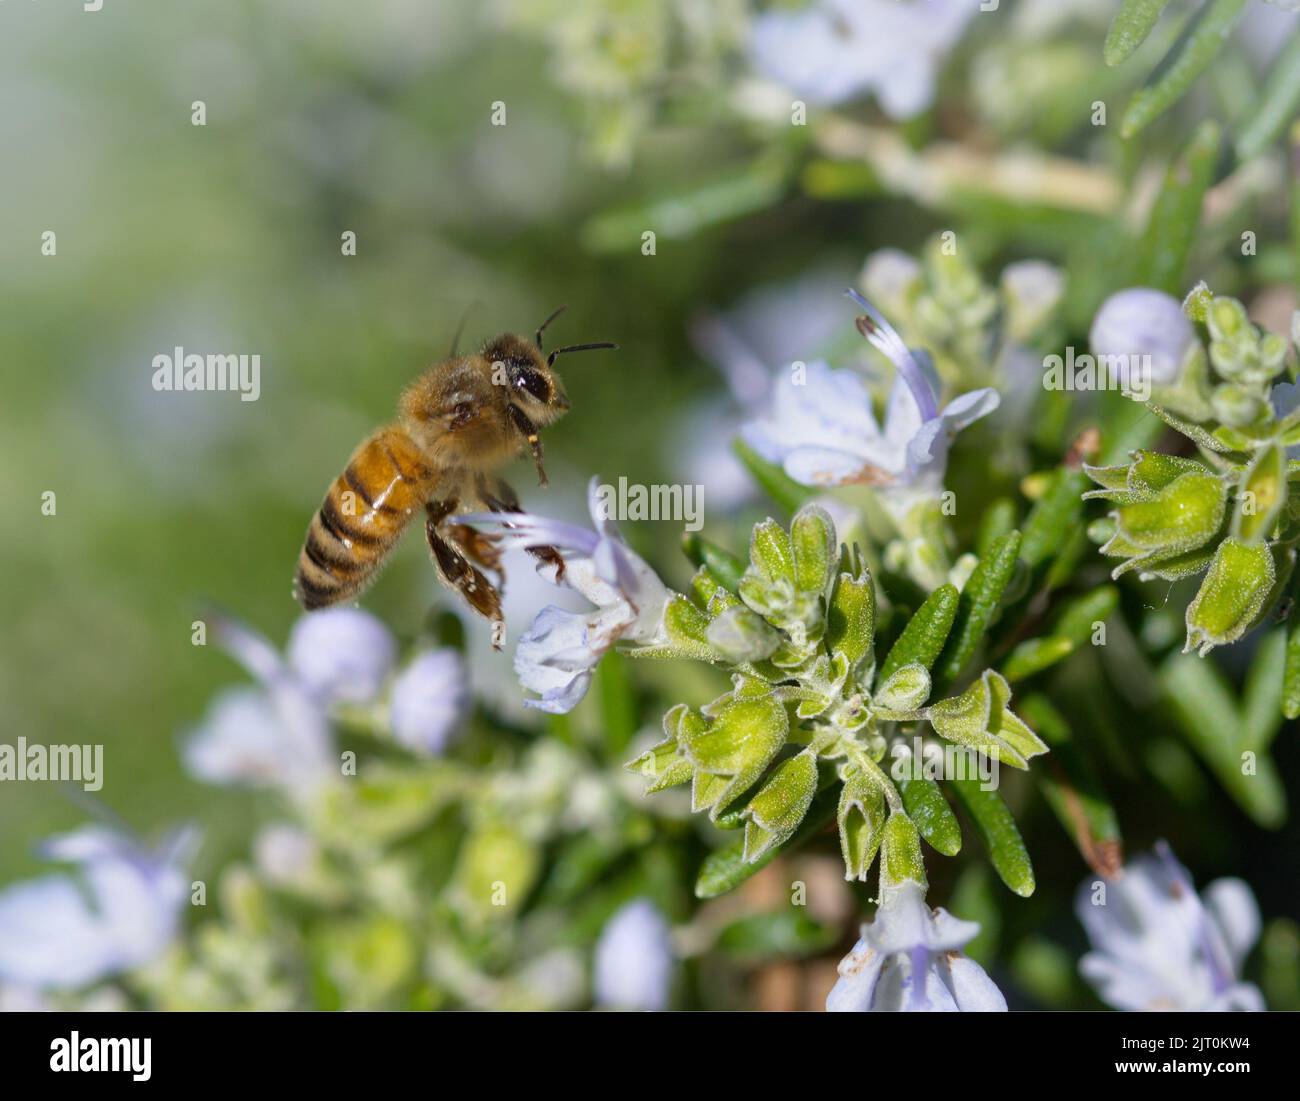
(542, 327)
(578, 348)
(460, 328)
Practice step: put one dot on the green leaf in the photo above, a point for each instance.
(1189, 57)
(1278, 103)
(776, 811)
(1074, 627)
(1261, 700)
(922, 639)
(1129, 28)
(725, 868)
(1054, 516)
(774, 481)
(617, 704)
(977, 606)
(681, 215)
(1172, 228)
(1203, 705)
(997, 829)
(788, 932)
(1073, 791)
(1291, 673)
(998, 519)
(724, 565)
(927, 807)
(1036, 654)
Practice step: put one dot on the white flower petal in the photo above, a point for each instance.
(820, 466)
(967, 408)
(248, 737)
(859, 972)
(1232, 908)
(972, 989)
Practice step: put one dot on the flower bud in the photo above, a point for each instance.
(1261, 496)
(981, 719)
(1032, 290)
(851, 618)
(740, 634)
(780, 805)
(1235, 405)
(747, 728)
(891, 278)
(341, 654)
(861, 818)
(906, 689)
(1230, 597)
(812, 538)
(900, 856)
(1180, 517)
(430, 699)
(1143, 322)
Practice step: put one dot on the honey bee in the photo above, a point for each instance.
(457, 423)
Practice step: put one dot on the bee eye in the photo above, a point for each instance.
(536, 384)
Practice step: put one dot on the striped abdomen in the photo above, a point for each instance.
(364, 513)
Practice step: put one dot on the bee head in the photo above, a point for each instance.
(534, 385)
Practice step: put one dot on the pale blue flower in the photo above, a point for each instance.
(1140, 322)
(275, 734)
(430, 700)
(556, 656)
(119, 913)
(341, 654)
(838, 50)
(1158, 946)
(764, 333)
(634, 959)
(823, 431)
(908, 959)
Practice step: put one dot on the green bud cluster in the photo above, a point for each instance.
(1179, 517)
(809, 708)
(1229, 514)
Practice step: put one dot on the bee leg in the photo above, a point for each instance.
(478, 547)
(528, 430)
(459, 573)
(500, 497)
